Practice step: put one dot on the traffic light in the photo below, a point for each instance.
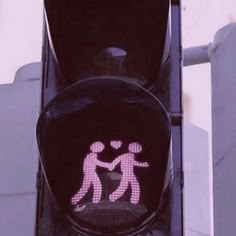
(104, 133)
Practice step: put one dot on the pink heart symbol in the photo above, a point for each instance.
(116, 144)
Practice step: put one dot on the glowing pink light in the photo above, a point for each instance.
(90, 176)
(116, 144)
(135, 147)
(127, 163)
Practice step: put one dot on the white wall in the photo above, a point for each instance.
(224, 129)
(197, 186)
(19, 109)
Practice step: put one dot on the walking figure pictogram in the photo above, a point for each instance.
(90, 176)
(127, 163)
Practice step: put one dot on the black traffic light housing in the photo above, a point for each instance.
(101, 60)
(81, 31)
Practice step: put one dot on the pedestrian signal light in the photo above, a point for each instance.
(104, 145)
(127, 163)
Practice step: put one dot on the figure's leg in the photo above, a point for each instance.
(135, 190)
(97, 189)
(83, 190)
(120, 190)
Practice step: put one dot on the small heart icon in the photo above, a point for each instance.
(116, 144)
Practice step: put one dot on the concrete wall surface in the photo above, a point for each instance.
(197, 182)
(19, 109)
(223, 62)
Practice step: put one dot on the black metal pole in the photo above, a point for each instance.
(176, 118)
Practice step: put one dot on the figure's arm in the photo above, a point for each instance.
(141, 164)
(104, 164)
(116, 162)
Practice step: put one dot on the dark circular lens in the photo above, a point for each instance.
(104, 146)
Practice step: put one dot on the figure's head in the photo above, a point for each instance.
(135, 147)
(97, 147)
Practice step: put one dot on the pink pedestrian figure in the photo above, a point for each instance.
(90, 175)
(127, 163)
